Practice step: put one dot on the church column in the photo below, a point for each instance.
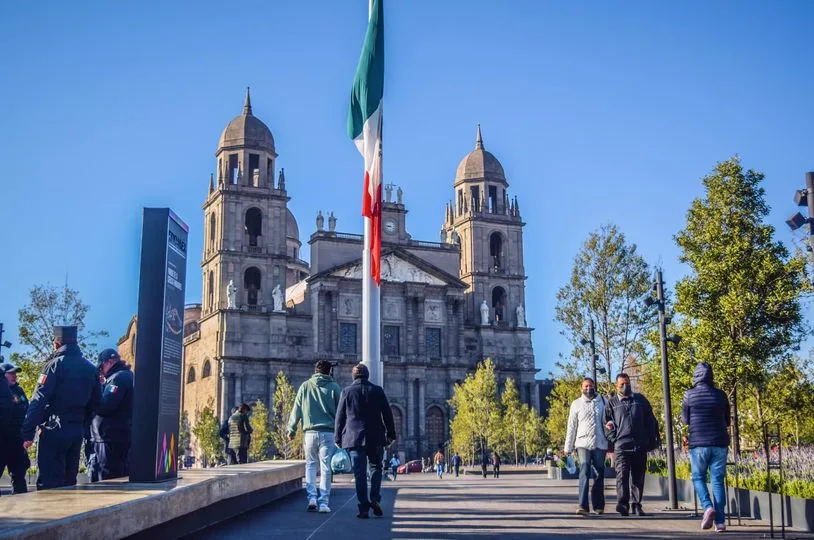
(224, 391)
(451, 332)
(334, 321)
(535, 397)
(272, 387)
(422, 343)
(409, 320)
(410, 412)
(422, 412)
(239, 387)
(460, 329)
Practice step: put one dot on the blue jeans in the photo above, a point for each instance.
(319, 449)
(361, 460)
(592, 459)
(712, 459)
(439, 469)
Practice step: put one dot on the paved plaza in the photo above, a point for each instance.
(518, 505)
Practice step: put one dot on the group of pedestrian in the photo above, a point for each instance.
(492, 459)
(625, 424)
(358, 419)
(75, 404)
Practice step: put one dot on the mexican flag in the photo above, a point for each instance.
(365, 127)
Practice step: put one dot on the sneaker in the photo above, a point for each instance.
(312, 505)
(720, 527)
(324, 509)
(582, 512)
(599, 511)
(709, 517)
(377, 510)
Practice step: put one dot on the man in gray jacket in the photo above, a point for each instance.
(586, 435)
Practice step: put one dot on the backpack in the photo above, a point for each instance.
(340, 461)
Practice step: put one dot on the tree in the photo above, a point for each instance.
(206, 431)
(608, 284)
(183, 433)
(533, 433)
(50, 306)
(477, 414)
(741, 301)
(513, 417)
(567, 388)
(284, 397)
(260, 445)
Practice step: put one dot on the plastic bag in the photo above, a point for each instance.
(340, 462)
(570, 466)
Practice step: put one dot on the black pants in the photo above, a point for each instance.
(110, 460)
(239, 455)
(483, 468)
(457, 470)
(630, 469)
(496, 469)
(15, 459)
(58, 458)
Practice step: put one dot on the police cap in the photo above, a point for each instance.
(8, 367)
(107, 354)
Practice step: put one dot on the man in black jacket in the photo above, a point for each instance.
(364, 426)
(17, 459)
(6, 424)
(111, 427)
(632, 428)
(706, 410)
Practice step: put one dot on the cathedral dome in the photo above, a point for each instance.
(479, 164)
(293, 229)
(247, 130)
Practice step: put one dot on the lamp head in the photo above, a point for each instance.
(796, 221)
(801, 197)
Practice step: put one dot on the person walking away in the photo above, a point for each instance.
(456, 464)
(484, 462)
(67, 393)
(315, 407)
(7, 430)
(223, 433)
(240, 433)
(394, 466)
(585, 436)
(16, 461)
(496, 464)
(439, 463)
(631, 427)
(705, 410)
(111, 426)
(364, 426)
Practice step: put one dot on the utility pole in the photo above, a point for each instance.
(593, 353)
(668, 407)
(805, 197)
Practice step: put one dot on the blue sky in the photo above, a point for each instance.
(599, 111)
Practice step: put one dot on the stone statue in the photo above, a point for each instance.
(277, 297)
(484, 314)
(256, 178)
(231, 295)
(332, 222)
(388, 192)
(320, 221)
(521, 316)
(399, 195)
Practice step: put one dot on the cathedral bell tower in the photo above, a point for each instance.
(245, 221)
(487, 225)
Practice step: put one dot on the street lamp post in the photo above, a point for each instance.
(594, 356)
(6, 344)
(805, 197)
(668, 406)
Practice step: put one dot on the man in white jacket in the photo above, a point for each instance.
(586, 435)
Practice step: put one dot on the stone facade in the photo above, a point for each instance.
(264, 309)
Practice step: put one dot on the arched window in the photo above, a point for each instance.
(191, 375)
(212, 226)
(496, 249)
(254, 225)
(211, 294)
(498, 303)
(207, 369)
(251, 282)
(398, 423)
(435, 428)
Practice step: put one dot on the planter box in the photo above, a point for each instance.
(556, 473)
(754, 504)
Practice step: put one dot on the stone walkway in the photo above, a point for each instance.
(517, 505)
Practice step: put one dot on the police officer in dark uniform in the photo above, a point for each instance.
(110, 429)
(6, 422)
(17, 460)
(67, 393)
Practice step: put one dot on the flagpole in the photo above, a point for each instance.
(371, 301)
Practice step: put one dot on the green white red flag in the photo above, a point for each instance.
(365, 127)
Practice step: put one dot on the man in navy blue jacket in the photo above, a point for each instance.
(112, 425)
(364, 426)
(706, 411)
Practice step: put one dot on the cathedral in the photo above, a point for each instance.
(445, 305)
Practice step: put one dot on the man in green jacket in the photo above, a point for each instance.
(315, 406)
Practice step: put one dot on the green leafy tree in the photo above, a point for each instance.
(533, 433)
(184, 433)
(206, 431)
(477, 412)
(514, 417)
(567, 388)
(50, 306)
(284, 397)
(740, 303)
(608, 284)
(260, 445)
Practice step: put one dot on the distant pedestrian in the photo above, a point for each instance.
(240, 432)
(66, 395)
(439, 463)
(484, 462)
(315, 406)
(111, 426)
(394, 466)
(231, 457)
(496, 464)
(706, 411)
(16, 460)
(586, 437)
(456, 463)
(364, 426)
(632, 428)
